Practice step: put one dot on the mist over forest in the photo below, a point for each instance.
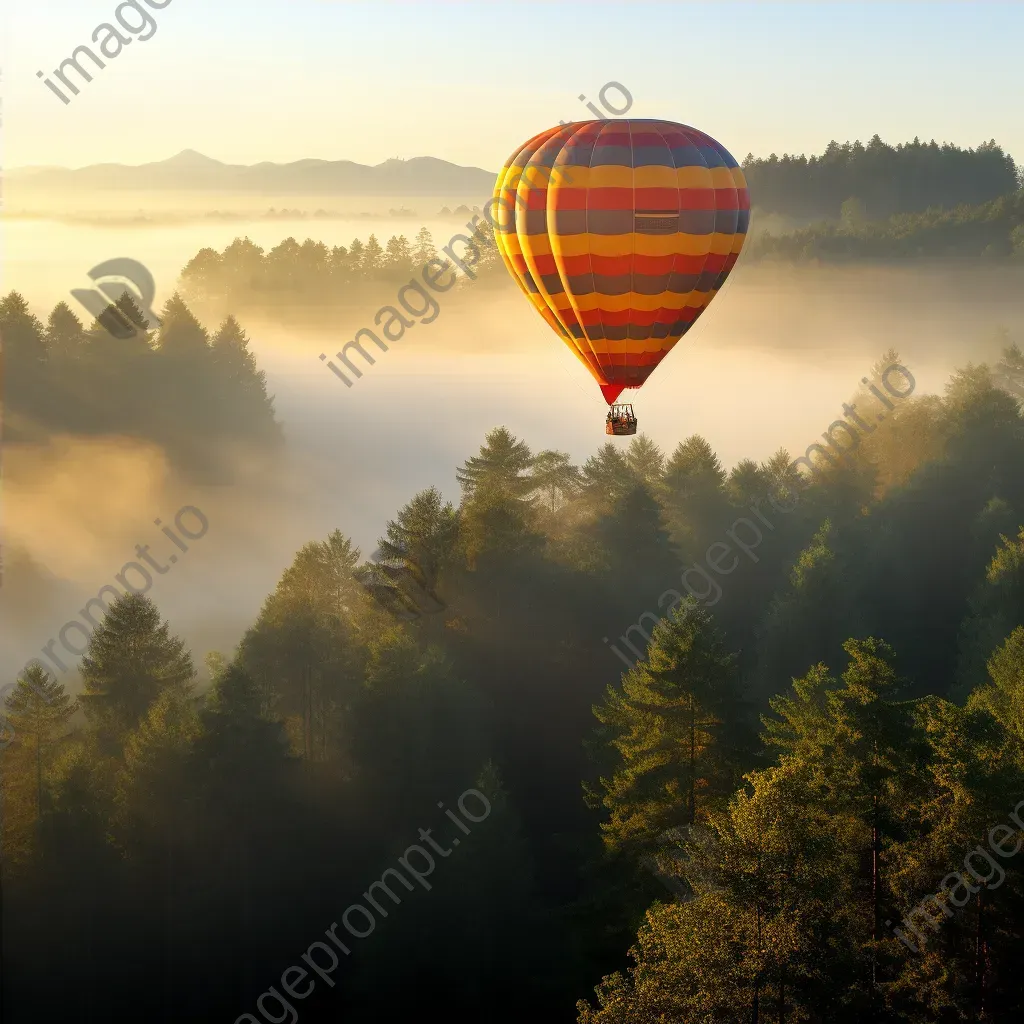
(682, 727)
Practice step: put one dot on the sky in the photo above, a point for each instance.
(245, 81)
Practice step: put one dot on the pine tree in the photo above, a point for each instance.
(245, 402)
(747, 482)
(424, 249)
(131, 659)
(239, 747)
(422, 539)
(356, 258)
(37, 711)
(695, 501)
(372, 257)
(242, 267)
(669, 723)
(645, 460)
(1003, 695)
(606, 477)
(181, 335)
(1009, 371)
(65, 336)
(204, 277)
(694, 466)
(861, 747)
(632, 540)
(24, 355)
(305, 653)
(398, 257)
(765, 932)
(554, 475)
(502, 465)
(996, 607)
(154, 775)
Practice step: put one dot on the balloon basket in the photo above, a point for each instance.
(620, 421)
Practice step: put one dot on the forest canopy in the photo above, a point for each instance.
(806, 761)
(179, 384)
(885, 180)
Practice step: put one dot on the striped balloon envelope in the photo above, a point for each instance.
(620, 232)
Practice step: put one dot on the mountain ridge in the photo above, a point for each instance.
(191, 170)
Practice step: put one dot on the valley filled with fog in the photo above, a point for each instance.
(768, 366)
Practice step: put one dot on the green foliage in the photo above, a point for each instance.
(907, 178)
(214, 835)
(989, 229)
(173, 386)
(672, 724)
(38, 712)
(131, 660)
(309, 280)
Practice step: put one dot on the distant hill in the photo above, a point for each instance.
(191, 171)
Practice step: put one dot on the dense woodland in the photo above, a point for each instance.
(309, 277)
(803, 759)
(176, 385)
(857, 203)
(887, 180)
(993, 231)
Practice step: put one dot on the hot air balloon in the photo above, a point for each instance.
(620, 232)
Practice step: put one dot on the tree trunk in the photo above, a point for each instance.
(980, 955)
(39, 760)
(756, 1008)
(874, 895)
(693, 765)
(307, 713)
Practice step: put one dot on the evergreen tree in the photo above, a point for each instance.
(356, 258)
(555, 477)
(154, 777)
(246, 405)
(398, 257)
(38, 711)
(130, 661)
(861, 748)
(1009, 371)
(996, 607)
(502, 465)
(695, 501)
(422, 539)
(372, 257)
(606, 478)
(304, 652)
(424, 249)
(747, 482)
(672, 724)
(24, 353)
(645, 460)
(765, 933)
(65, 336)
(181, 335)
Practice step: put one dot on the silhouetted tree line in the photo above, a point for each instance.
(807, 756)
(993, 230)
(176, 385)
(908, 178)
(314, 274)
